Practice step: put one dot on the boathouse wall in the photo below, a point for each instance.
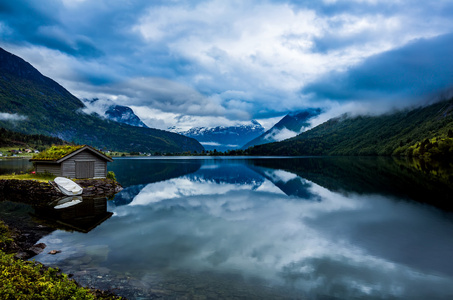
(43, 167)
(84, 165)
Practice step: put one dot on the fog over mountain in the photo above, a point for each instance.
(112, 111)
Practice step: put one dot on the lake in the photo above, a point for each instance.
(265, 228)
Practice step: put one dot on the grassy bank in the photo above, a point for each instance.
(30, 280)
(28, 176)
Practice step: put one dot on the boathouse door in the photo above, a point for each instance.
(84, 169)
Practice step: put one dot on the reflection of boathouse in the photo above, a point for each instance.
(75, 213)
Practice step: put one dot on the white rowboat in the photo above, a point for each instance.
(68, 187)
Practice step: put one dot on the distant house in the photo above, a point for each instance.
(72, 161)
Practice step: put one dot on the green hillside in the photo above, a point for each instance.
(402, 133)
(36, 104)
(40, 142)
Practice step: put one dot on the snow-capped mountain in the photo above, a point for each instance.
(289, 126)
(124, 114)
(112, 111)
(224, 138)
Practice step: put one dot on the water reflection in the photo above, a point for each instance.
(74, 213)
(17, 165)
(244, 229)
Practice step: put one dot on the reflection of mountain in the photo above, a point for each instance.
(289, 183)
(236, 173)
(135, 174)
(368, 175)
(127, 194)
(196, 177)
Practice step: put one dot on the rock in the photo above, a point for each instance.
(53, 252)
(38, 248)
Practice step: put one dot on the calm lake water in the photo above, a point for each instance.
(281, 228)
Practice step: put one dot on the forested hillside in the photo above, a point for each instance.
(35, 104)
(40, 142)
(424, 131)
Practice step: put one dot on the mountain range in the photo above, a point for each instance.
(35, 104)
(223, 138)
(421, 131)
(289, 126)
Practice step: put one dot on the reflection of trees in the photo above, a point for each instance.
(437, 169)
(373, 175)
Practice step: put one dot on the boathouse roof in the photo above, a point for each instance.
(58, 154)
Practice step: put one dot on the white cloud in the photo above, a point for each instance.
(210, 144)
(11, 117)
(280, 134)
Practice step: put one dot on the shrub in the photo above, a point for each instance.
(111, 175)
(29, 280)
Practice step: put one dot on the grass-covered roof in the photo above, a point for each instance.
(56, 152)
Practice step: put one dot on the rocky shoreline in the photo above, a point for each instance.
(16, 199)
(40, 193)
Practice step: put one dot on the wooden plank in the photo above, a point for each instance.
(84, 169)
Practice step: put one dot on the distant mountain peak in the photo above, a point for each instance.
(124, 114)
(110, 110)
(224, 138)
(289, 126)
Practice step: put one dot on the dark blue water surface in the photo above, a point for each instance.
(282, 228)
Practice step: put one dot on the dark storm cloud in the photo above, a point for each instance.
(420, 69)
(37, 23)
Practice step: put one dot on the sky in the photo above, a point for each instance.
(218, 62)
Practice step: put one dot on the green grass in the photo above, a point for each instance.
(41, 177)
(56, 152)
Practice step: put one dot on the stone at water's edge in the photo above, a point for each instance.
(99, 187)
(34, 192)
(27, 191)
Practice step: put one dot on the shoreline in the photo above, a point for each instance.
(18, 200)
(25, 236)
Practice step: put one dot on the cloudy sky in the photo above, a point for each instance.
(218, 62)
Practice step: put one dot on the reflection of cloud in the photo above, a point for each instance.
(184, 187)
(348, 246)
(280, 175)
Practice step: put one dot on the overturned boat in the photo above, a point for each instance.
(68, 187)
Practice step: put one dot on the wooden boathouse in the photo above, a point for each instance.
(72, 161)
